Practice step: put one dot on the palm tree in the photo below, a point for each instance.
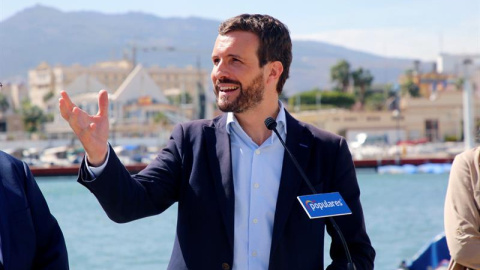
(340, 74)
(33, 117)
(363, 80)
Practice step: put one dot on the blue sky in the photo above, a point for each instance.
(403, 28)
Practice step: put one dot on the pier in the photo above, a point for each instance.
(135, 168)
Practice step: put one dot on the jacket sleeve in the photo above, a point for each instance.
(352, 226)
(126, 197)
(51, 251)
(462, 213)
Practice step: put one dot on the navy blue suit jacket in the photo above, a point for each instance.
(195, 170)
(30, 235)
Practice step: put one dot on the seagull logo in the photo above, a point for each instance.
(308, 202)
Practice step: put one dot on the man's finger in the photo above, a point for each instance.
(68, 102)
(103, 103)
(63, 109)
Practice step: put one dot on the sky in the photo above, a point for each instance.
(419, 29)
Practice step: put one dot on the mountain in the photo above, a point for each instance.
(43, 33)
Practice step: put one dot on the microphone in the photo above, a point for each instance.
(271, 124)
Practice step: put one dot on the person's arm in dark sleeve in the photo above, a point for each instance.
(126, 197)
(352, 226)
(51, 251)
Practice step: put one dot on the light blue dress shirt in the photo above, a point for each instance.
(256, 179)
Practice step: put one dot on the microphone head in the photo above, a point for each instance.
(270, 123)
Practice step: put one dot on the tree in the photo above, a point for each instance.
(409, 86)
(4, 105)
(33, 117)
(329, 98)
(48, 96)
(160, 118)
(183, 98)
(459, 83)
(340, 74)
(363, 80)
(375, 101)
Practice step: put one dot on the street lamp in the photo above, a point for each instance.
(397, 115)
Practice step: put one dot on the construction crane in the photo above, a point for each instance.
(135, 48)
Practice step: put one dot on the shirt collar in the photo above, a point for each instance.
(281, 119)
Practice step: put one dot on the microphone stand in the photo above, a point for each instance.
(271, 124)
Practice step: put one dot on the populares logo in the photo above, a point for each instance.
(324, 205)
(310, 203)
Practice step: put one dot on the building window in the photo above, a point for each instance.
(431, 129)
(373, 118)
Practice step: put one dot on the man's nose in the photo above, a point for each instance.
(220, 70)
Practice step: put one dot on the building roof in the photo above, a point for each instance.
(139, 84)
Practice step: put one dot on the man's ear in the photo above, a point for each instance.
(275, 69)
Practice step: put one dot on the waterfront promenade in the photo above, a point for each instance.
(135, 168)
(370, 156)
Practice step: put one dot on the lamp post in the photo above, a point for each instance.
(397, 115)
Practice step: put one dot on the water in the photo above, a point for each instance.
(402, 213)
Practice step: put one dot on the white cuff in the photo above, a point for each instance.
(94, 171)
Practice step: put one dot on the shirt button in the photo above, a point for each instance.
(257, 152)
(255, 221)
(225, 266)
(254, 254)
(256, 185)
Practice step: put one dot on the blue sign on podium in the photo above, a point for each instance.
(324, 205)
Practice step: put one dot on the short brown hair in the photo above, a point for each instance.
(275, 42)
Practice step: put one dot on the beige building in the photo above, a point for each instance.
(16, 92)
(11, 123)
(419, 118)
(44, 78)
(133, 105)
(455, 64)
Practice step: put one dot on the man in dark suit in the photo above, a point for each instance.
(30, 236)
(236, 191)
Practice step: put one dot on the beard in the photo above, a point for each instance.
(249, 96)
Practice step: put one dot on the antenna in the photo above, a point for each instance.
(440, 42)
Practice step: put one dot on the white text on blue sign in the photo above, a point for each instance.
(324, 205)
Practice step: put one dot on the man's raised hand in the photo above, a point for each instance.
(91, 130)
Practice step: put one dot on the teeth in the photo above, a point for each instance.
(228, 88)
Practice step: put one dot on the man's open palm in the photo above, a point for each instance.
(91, 130)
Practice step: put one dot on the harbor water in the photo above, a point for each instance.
(402, 211)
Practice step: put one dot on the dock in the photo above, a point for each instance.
(135, 168)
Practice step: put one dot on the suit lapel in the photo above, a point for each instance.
(219, 159)
(298, 142)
